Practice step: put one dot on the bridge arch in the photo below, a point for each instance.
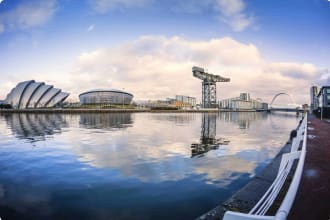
(279, 94)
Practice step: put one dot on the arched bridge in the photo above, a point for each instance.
(292, 107)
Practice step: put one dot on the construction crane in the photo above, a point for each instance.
(209, 86)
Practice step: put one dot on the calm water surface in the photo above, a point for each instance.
(131, 166)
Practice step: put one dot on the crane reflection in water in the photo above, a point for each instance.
(208, 140)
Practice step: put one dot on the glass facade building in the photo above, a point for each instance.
(31, 94)
(313, 96)
(105, 97)
(323, 106)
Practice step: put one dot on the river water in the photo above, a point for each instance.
(131, 166)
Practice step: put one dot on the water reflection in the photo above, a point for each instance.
(208, 139)
(106, 120)
(112, 166)
(35, 127)
(178, 119)
(243, 119)
(286, 114)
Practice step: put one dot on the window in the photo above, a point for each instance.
(328, 91)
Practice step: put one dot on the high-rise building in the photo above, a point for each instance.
(245, 96)
(314, 99)
(323, 103)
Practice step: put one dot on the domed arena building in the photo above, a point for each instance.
(102, 96)
(32, 94)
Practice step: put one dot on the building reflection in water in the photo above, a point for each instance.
(35, 127)
(208, 140)
(178, 119)
(106, 120)
(243, 119)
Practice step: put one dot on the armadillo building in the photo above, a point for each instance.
(32, 94)
(102, 96)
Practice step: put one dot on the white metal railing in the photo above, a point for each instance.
(260, 209)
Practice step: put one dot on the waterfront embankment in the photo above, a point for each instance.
(77, 110)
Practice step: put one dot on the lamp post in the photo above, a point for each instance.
(123, 98)
(322, 100)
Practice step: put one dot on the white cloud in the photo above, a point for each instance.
(1, 1)
(296, 70)
(103, 6)
(90, 28)
(28, 14)
(154, 67)
(233, 13)
(324, 80)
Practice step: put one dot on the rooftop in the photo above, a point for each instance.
(321, 89)
(105, 90)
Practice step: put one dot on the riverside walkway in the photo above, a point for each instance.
(313, 197)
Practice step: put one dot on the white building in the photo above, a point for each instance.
(243, 102)
(185, 101)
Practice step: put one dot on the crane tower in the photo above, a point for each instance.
(209, 86)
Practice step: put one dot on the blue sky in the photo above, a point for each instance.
(149, 46)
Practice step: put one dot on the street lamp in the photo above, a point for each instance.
(123, 98)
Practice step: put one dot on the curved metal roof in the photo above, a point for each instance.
(43, 102)
(60, 97)
(16, 94)
(105, 90)
(28, 94)
(37, 96)
(31, 94)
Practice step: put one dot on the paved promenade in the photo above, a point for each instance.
(313, 196)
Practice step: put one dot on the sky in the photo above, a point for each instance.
(148, 47)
